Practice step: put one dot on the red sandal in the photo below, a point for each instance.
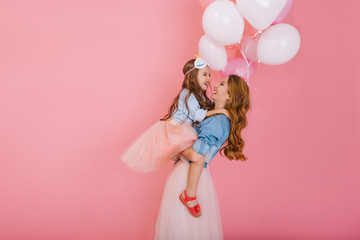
(195, 211)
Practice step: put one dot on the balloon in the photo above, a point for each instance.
(223, 22)
(238, 66)
(249, 45)
(278, 44)
(214, 55)
(205, 3)
(284, 12)
(260, 13)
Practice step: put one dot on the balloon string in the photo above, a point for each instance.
(247, 63)
(257, 33)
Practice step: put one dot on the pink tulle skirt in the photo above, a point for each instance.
(156, 146)
(175, 222)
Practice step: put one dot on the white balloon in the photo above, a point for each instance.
(260, 13)
(214, 55)
(278, 44)
(223, 22)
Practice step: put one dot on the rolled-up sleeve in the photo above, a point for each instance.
(210, 133)
(196, 113)
(201, 147)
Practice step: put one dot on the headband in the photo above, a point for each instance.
(198, 64)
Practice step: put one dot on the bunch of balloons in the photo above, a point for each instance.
(223, 23)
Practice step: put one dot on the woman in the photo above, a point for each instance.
(174, 222)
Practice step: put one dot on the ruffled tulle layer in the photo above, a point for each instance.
(155, 147)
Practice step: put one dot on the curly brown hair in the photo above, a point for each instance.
(238, 105)
(191, 83)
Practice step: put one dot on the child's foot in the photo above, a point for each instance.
(190, 203)
(194, 209)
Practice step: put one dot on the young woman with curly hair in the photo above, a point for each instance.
(173, 221)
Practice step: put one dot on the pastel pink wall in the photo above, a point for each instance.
(79, 80)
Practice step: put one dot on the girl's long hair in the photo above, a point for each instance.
(191, 83)
(238, 105)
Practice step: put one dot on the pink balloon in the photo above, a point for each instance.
(237, 66)
(232, 47)
(249, 45)
(284, 12)
(205, 3)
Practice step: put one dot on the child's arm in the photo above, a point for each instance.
(218, 111)
(196, 114)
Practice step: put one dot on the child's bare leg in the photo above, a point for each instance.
(194, 174)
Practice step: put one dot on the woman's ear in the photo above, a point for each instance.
(228, 97)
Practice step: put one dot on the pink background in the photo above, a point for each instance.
(79, 80)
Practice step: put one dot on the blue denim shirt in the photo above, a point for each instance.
(196, 114)
(213, 132)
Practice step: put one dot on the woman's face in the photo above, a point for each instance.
(221, 92)
(204, 77)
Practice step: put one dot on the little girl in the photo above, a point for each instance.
(174, 133)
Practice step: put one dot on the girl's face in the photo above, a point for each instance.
(221, 92)
(204, 77)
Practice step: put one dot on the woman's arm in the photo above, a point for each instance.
(192, 155)
(211, 131)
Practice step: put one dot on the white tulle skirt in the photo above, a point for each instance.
(175, 222)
